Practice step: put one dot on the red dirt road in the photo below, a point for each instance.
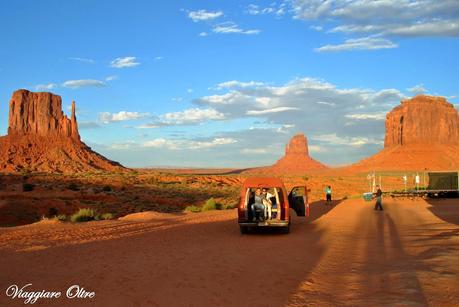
(346, 254)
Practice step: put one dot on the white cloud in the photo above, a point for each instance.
(254, 151)
(268, 111)
(365, 43)
(274, 9)
(107, 117)
(159, 58)
(236, 84)
(147, 126)
(232, 28)
(395, 18)
(187, 144)
(191, 116)
(312, 105)
(129, 61)
(202, 34)
(83, 83)
(369, 116)
(203, 15)
(253, 9)
(417, 89)
(45, 87)
(334, 139)
(316, 28)
(325, 103)
(84, 60)
(111, 78)
(190, 90)
(316, 148)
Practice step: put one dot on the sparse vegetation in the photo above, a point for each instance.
(210, 204)
(193, 209)
(61, 217)
(27, 187)
(83, 215)
(106, 216)
(87, 214)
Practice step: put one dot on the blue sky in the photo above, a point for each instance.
(227, 83)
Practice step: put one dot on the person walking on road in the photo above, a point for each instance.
(378, 195)
(328, 192)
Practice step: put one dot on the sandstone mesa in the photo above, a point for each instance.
(41, 138)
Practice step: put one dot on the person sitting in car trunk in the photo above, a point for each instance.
(258, 208)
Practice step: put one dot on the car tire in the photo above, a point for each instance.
(244, 229)
(285, 230)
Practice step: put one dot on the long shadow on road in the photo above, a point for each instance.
(202, 264)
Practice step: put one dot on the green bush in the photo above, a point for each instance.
(210, 204)
(84, 215)
(230, 206)
(61, 217)
(193, 208)
(27, 187)
(106, 216)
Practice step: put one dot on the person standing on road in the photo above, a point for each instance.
(378, 195)
(328, 193)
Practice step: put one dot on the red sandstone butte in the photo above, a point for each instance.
(422, 120)
(421, 133)
(296, 159)
(41, 138)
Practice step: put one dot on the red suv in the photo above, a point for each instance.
(264, 203)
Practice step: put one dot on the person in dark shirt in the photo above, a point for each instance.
(328, 193)
(378, 204)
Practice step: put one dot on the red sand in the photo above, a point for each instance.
(344, 254)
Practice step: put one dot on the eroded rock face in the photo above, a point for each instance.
(297, 159)
(423, 120)
(298, 145)
(40, 114)
(41, 138)
(422, 133)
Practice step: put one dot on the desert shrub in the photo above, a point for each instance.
(27, 187)
(83, 215)
(106, 216)
(192, 208)
(107, 188)
(230, 206)
(73, 187)
(210, 204)
(61, 217)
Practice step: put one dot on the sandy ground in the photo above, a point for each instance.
(345, 254)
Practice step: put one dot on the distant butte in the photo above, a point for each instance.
(41, 138)
(295, 161)
(421, 133)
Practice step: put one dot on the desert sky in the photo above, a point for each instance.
(227, 83)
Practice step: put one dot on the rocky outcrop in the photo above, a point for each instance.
(40, 114)
(41, 138)
(423, 120)
(422, 133)
(296, 159)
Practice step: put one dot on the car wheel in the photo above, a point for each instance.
(244, 229)
(285, 230)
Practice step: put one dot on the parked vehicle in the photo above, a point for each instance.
(276, 204)
(443, 184)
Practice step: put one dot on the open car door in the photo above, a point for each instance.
(298, 200)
